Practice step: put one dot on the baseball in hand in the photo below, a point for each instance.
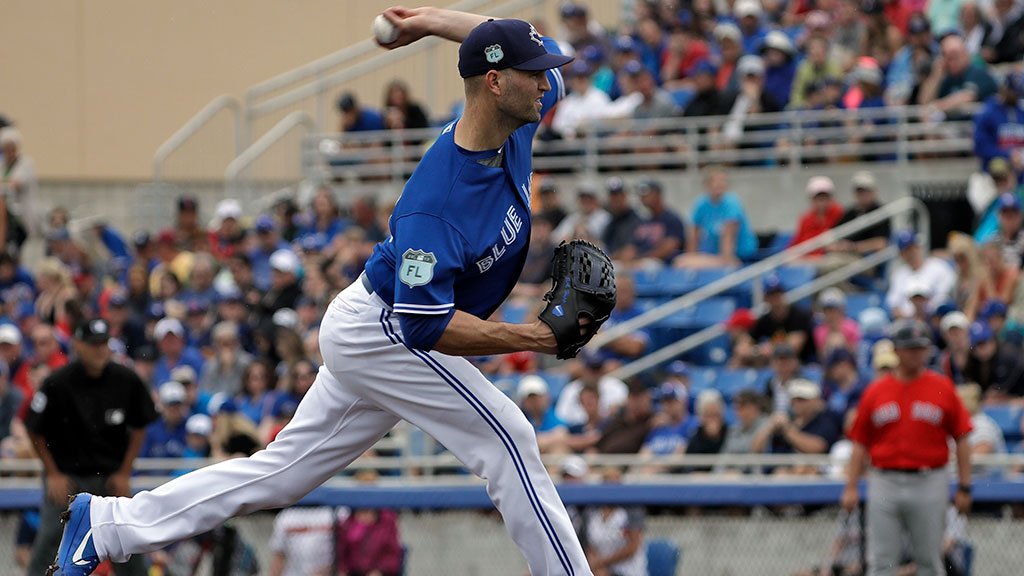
(384, 30)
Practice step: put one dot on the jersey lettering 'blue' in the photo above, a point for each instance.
(461, 230)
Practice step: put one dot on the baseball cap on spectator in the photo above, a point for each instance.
(840, 355)
(998, 166)
(625, 43)
(919, 287)
(918, 23)
(633, 68)
(172, 392)
(980, 333)
(231, 294)
(168, 326)
(198, 306)
(777, 40)
(505, 43)
(832, 298)
(346, 102)
(573, 10)
(221, 403)
(144, 353)
(228, 208)
(592, 360)
(820, 185)
(184, 374)
(313, 243)
(166, 236)
(200, 424)
(284, 261)
(530, 385)
(117, 300)
(863, 180)
(678, 368)
(744, 8)
(746, 396)
(992, 308)
(803, 389)
(704, 67)
(741, 319)
(772, 283)
(1015, 81)
(141, 238)
(155, 311)
(817, 20)
(727, 31)
(905, 239)
(672, 392)
(592, 54)
(952, 320)
(9, 334)
(883, 355)
(286, 318)
(750, 65)
(648, 185)
(615, 185)
(575, 466)
(93, 332)
(578, 69)
(264, 223)
(1008, 202)
(586, 190)
(784, 350)
(187, 204)
(945, 308)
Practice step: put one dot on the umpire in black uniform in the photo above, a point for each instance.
(87, 423)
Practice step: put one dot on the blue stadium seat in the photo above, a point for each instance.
(663, 557)
(702, 379)
(714, 352)
(713, 311)
(556, 383)
(647, 283)
(677, 281)
(794, 276)
(1008, 419)
(730, 382)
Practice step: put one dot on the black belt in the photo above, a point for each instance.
(366, 283)
(922, 470)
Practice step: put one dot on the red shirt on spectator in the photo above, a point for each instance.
(56, 360)
(906, 425)
(811, 224)
(364, 548)
(696, 51)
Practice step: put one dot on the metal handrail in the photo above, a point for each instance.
(259, 147)
(316, 70)
(194, 124)
(754, 271)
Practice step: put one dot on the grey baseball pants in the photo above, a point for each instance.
(911, 508)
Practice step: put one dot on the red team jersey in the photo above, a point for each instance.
(906, 425)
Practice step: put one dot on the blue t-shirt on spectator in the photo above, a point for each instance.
(189, 357)
(671, 438)
(164, 442)
(369, 119)
(549, 422)
(709, 218)
(658, 227)
(827, 425)
(256, 408)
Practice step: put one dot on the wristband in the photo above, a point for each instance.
(964, 488)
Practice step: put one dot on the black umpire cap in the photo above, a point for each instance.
(93, 332)
(911, 334)
(506, 43)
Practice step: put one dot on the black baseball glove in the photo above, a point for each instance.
(582, 297)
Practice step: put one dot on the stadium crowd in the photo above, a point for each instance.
(220, 318)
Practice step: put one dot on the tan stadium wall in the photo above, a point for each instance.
(97, 85)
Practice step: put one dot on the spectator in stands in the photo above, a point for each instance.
(917, 268)
(999, 126)
(11, 351)
(46, 351)
(745, 351)
(843, 384)
(356, 117)
(258, 391)
(624, 219)
(169, 335)
(588, 221)
(223, 371)
(20, 187)
(749, 14)
(784, 323)
(580, 30)
(11, 399)
(985, 437)
(720, 234)
(671, 427)
(816, 67)
(297, 382)
(323, 221)
(990, 224)
(226, 232)
(1000, 278)
(822, 215)
(364, 215)
(650, 45)
(999, 372)
(749, 99)
(537, 268)
(188, 232)
(865, 201)
(685, 49)
(165, 438)
(626, 431)
(615, 536)
(584, 103)
(397, 99)
(711, 430)
(707, 99)
(785, 368)
(969, 273)
(583, 437)
(904, 73)
(369, 543)
(974, 25)
(750, 417)
(1004, 42)
(728, 39)
(632, 345)
(883, 358)
(171, 259)
(303, 541)
(268, 241)
(653, 102)
(811, 429)
(611, 391)
(778, 54)
(954, 359)
(200, 285)
(55, 290)
(535, 402)
(837, 330)
(549, 204)
(660, 237)
(956, 83)
(284, 283)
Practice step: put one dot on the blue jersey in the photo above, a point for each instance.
(461, 230)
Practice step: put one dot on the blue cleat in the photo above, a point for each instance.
(76, 555)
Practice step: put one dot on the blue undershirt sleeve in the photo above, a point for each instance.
(422, 331)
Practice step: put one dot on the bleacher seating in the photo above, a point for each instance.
(1009, 420)
(662, 557)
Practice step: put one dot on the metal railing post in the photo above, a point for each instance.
(196, 123)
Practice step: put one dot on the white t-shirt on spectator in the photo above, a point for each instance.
(606, 535)
(576, 109)
(595, 223)
(934, 272)
(612, 392)
(306, 537)
(985, 429)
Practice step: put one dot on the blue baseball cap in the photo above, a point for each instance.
(1008, 201)
(678, 368)
(772, 283)
(992, 308)
(1015, 81)
(507, 43)
(625, 44)
(980, 333)
(264, 223)
(840, 355)
(905, 239)
(633, 68)
(704, 67)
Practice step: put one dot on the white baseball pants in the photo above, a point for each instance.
(369, 381)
